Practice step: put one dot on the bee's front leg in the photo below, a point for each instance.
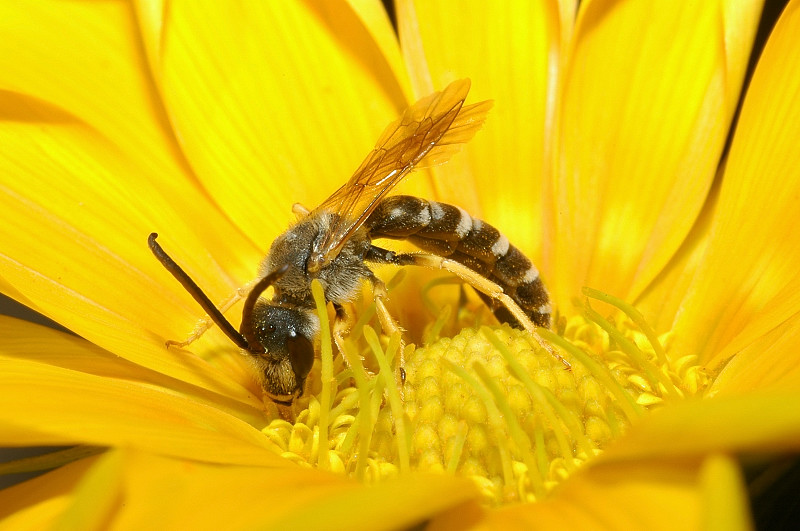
(207, 322)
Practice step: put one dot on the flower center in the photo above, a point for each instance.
(490, 403)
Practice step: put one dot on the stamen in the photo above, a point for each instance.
(554, 411)
(489, 404)
(654, 376)
(391, 388)
(495, 421)
(327, 372)
(519, 437)
(634, 315)
(456, 447)
(626, 401)
(362, 423)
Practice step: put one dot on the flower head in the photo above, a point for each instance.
(604, 160)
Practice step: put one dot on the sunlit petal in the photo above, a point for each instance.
(96, 496)
(26, 341)
(374, 17)
(662, 299)
(769, 362)
(96, 72)
(97, 277)
(280, 498)
(95, 80)
(753, 422)
(748, 283)
(643, 122)
(274, 102)
(502, 177)
(643, 495)
(403, 502)
(69, 407)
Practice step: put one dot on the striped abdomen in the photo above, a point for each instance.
(449, 231)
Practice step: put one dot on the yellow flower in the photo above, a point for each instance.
(205, 121)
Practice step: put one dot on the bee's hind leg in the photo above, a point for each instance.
(482, 284)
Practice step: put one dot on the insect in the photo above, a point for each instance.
(334, 243)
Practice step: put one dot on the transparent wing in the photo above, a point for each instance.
(428, 133)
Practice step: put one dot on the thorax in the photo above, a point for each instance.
(341, 278)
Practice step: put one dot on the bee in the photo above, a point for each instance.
(334, 244)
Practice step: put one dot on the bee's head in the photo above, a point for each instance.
(286, 337)
(279, 339)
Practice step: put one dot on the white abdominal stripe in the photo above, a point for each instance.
(451, 232)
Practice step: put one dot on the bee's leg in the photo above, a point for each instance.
(482, 284)
(286, 412)
(206, 322)
(342, 324)
(300, 211)
(390, 327)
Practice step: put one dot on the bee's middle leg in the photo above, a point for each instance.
(390, 327)
(342, 324)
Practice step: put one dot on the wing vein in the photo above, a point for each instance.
(427, 133)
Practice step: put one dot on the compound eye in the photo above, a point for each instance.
(301, 355)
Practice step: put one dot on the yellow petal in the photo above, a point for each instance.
(511, 51)
(70, 407)
(84, 57)
(750, 422)
(657, 494)
(772, 361)
(748, 283)
(643, 495)
(403, 502)
(643, 120)
(96, 496)
(37, 503)
(150, 16)
(76, 215)
(67, 63)
(24, 341)
(661, 300)
(376, 21)
(726, 504)
(273, 102)
(80, 157)
(194, 495)
(23, 463)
